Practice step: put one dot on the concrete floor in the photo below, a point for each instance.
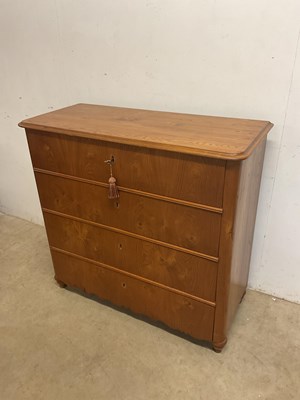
(57, 344)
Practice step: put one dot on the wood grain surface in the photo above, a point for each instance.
(242, 182)
(188, 273)
(176, 311)
(194, 229)
(217, 137)
(244, 224)
(179, 176)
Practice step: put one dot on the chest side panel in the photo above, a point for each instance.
(244, 224)
(241, 190)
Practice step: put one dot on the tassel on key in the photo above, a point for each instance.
(113, 192)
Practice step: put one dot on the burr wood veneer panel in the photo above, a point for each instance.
(175, 269)
(181, 176)
(176, 311)
(187, 227)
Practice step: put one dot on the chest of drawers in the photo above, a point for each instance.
(175, 245)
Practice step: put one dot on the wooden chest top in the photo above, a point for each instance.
(215, 137)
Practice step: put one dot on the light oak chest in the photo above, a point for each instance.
(176, 245)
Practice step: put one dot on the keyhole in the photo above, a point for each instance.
(124, 285)
(117, 204)
(120, 246)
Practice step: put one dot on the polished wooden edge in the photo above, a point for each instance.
(139, 278)
(218, 346)
(148, 143)
(256, 142)
(133, 191)
(134, 235)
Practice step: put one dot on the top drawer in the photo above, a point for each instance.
(180, 176)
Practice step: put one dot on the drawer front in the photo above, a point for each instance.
(178, 312)
(179, 225)
(185, 177)
(185, 272)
